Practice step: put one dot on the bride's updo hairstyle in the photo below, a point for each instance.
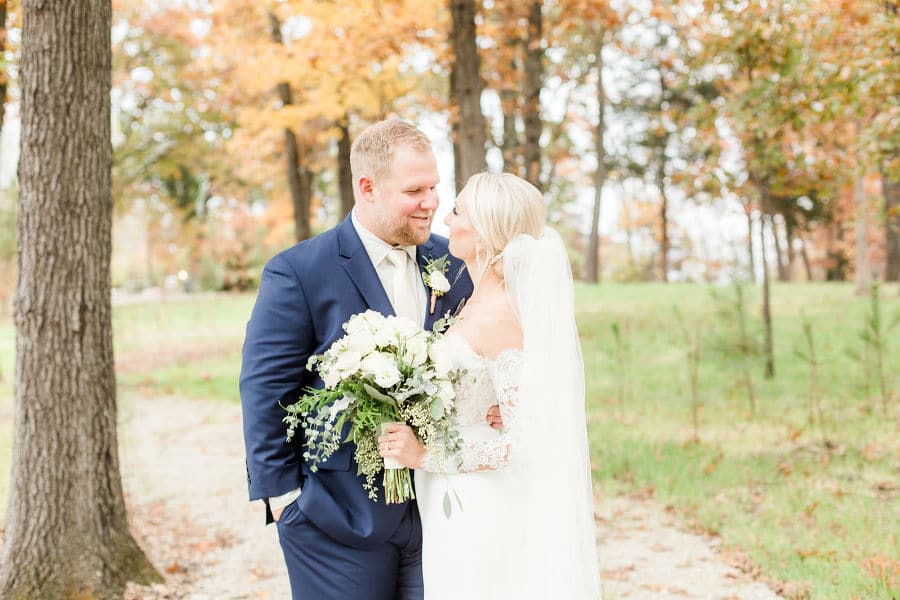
(500, 207)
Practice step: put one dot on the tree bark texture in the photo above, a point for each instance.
(748, 211)
(534, 76)
(3, 73)
(892, 227)
(780, 250)
(863, 274)
(66, 532)
(345, 178)
(294, 166)
(768, 346)
(663, 217)
(511, 148)
(593, 263)
(469, 134)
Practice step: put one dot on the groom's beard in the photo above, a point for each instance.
(405, 235)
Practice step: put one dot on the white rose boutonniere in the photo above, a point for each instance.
(435, 279)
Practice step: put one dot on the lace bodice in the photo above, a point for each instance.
(486, 382)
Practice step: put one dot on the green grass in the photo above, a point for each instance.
(802, 509)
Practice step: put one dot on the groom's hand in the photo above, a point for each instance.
(276, 513)
(493, 417)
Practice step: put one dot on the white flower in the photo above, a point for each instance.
(348, 363)
(361, 342)
(446, 392)
(416, 349)
(439, 282)
(386, 336)
(339, 406)
(382, 368)
(442, 357)
(330, 377)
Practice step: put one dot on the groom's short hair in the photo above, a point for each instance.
(373, 151)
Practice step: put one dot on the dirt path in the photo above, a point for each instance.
(184, 477)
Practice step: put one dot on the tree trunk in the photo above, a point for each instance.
(345, 178)
(805, 256)
(748, 211)
(778, 238)
(789, 237)
(469, 135)
(892, 227)
(534, 75)
(863, 275)
(66, 530)
(294, 161)
(4, 72)
(593, 271)
(511, 147)
(769, 372)
(663, 218)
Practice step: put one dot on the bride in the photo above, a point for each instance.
(511, 516)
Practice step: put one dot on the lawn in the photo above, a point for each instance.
(803, 499)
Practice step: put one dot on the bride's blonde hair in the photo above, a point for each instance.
(501, 206)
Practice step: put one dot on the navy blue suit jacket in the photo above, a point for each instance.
(307, 292)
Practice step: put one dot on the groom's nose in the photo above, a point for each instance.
(431, 200)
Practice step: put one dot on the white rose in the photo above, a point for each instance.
(386, 335)
(439, 282)
(380, 367)
(442, 357)
(374, 318)
(416, 349)
(356, 324)
(361, 342)
(330, 377)
(404, 327)
(348, 363)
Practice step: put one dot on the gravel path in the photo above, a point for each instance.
(185, 481)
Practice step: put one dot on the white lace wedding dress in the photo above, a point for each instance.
(467, 555)
(523, 525)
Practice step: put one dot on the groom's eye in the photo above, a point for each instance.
(455, 211)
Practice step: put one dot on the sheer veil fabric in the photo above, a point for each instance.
(556, 551)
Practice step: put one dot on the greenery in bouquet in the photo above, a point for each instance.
(384, 369)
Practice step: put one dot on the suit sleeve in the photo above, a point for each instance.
(280, 338)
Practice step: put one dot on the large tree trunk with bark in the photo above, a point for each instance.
(3, 72)
(534, 75)
(892, 227)
(294, 161)
(863, 274)
(593, 272)
(66, 530)
(345, 178)
(469, 135)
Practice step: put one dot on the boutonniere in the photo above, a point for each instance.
(434, 278)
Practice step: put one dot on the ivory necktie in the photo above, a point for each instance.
(405, 297)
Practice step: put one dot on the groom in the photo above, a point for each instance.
(338, 544)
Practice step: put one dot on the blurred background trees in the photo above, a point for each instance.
(685, 141)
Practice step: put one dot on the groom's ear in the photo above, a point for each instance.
(366, 188)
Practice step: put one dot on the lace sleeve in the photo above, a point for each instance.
(492, 454)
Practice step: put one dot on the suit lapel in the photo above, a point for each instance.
(356, 262)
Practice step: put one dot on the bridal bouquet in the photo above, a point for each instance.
(385, 369)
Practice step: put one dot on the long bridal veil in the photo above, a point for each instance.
(557, 553)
